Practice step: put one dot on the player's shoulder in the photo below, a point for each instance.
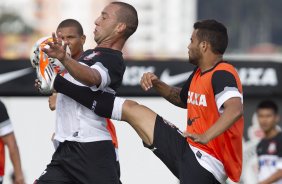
(260, 142)
(3, 113)
(225, 65)
(108, 52)
(2, 106)
(279, 137)
(224, 70)
(107, 55)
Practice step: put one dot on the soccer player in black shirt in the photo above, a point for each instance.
(269, 149)
(86, 154)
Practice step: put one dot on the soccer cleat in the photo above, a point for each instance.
(46, 76)
(43, 66)
(35, 51)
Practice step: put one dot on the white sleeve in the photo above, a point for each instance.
(105, 77)
(226, 94)
(6, 127)
(279, 163)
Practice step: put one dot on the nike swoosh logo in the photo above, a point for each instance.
(9, 76)
(174, 79)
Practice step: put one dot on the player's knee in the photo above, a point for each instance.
(128, 109)
(129, 105)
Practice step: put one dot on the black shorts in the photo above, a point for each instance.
(174, 151)
(82, 163)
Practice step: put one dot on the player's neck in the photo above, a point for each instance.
(112, 44)
(209, 62)
(271, 133)
(77, 56)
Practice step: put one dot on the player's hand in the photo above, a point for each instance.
(52, 101)
(148, 80)
(19, 179)
(263, 182)
(57, 48)
(53, 137)
(37, 84)
(199, 138)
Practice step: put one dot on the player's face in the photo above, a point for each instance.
(267, 119)
(106, 24)
(194, 49)
(75, 40)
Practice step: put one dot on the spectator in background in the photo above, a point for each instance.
(269, 149)
(7, 138)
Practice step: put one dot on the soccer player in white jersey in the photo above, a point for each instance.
(86, 153)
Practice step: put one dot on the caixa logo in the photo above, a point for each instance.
(258, 76)
(133, 74)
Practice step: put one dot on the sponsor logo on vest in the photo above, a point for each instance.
(91, 56)
(197, 99)
(190, 121)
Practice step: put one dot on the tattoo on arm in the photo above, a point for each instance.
(174, 97)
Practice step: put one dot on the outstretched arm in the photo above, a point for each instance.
(273, 178)
(170, 93)
(52, 101)
(104, 104)
(10, 141)
(84, 74)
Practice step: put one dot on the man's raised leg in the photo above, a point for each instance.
(104, 104)
(155, 132)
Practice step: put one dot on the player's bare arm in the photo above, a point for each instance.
(170, 93)
(233, 110)
(273, 178)
(11, 143)
(82, 73)
(86, 75)
(52, 101)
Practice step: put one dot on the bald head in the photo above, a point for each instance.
(127, 14)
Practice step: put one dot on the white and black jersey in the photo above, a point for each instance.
(269, 153)
(5, 123)
(5, 129)
(109, 63)
(75, 122)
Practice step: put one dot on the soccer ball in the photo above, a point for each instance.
(38, 55)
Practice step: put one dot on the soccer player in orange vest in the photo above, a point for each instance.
(210, 150)
(7, 138)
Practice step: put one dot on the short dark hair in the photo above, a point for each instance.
(268, 104)
(128, 15)
(213, 32)
(72, 23)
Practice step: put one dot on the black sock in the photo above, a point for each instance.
(98, 101)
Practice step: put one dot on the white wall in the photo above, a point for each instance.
(34, 124)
